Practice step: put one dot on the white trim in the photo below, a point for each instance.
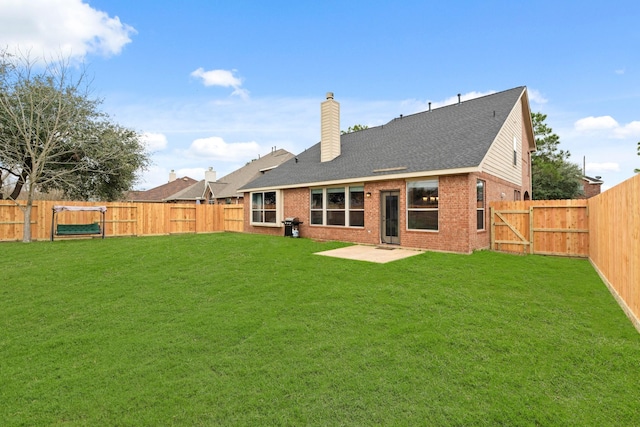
(279, 204)
(325, 209)
(407, 208)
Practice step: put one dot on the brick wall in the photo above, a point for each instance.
(457, 214)
(591, 190)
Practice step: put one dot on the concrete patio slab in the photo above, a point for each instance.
(371, 253)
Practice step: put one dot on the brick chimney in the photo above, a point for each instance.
(210, 175)
(329, 129)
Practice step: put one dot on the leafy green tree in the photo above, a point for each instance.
(553, 176)
(354, 128)
(54, 137)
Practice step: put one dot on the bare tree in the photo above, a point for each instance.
(53, 136)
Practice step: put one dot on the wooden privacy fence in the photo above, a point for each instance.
(124, 219)
(614, 239)
(234, 218)
(544, 227)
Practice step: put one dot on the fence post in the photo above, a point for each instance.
(493, 230)
(531, 230)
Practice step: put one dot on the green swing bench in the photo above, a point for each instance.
(68, 230)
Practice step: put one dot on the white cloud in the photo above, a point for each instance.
(536, 97)
(602, 167)
(620, 71)
(69, 28)
(215, 148)
(224, 78)
(608, 123)
(154, 141)
(629, 130)
(595, 123)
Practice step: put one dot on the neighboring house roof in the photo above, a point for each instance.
(228, 185)
(159, 193)
(455, 138)
(194, 192)
(251, 171)
(590, 180)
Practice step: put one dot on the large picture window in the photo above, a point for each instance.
(264, 208)
(480, 204)
(338, 206)
(422, 205)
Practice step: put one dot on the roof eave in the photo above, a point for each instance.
(386, 177)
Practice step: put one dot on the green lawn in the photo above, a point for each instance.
(235, 329)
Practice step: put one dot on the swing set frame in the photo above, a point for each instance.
(77, 229)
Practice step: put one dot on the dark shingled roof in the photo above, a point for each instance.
(451, 137)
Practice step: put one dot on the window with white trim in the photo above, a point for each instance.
(422, 205)
(264, 208)
(317, 206)
(480, 206)
(515, 151)
(338, 206)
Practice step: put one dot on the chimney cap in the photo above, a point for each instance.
(329, 95)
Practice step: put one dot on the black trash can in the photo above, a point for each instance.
(292, 227)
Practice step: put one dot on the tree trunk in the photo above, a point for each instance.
(26, 233)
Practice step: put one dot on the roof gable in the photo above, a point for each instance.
(228, 185)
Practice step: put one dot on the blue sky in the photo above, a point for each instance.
(218, 83)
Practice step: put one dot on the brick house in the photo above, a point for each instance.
(422, 180)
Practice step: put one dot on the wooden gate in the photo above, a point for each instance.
(234, 218)
(545, 227)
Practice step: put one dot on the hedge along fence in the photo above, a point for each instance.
(122, 218)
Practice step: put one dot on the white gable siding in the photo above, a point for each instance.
(499, 159)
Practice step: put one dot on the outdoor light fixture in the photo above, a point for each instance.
(368, 195)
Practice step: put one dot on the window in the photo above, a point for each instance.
(356, 206)
(516, 195)
(341, 206)
(317, 206)
(422, 205)
(264, 208)
(515, 151)
(480, 204)
(335, 206)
